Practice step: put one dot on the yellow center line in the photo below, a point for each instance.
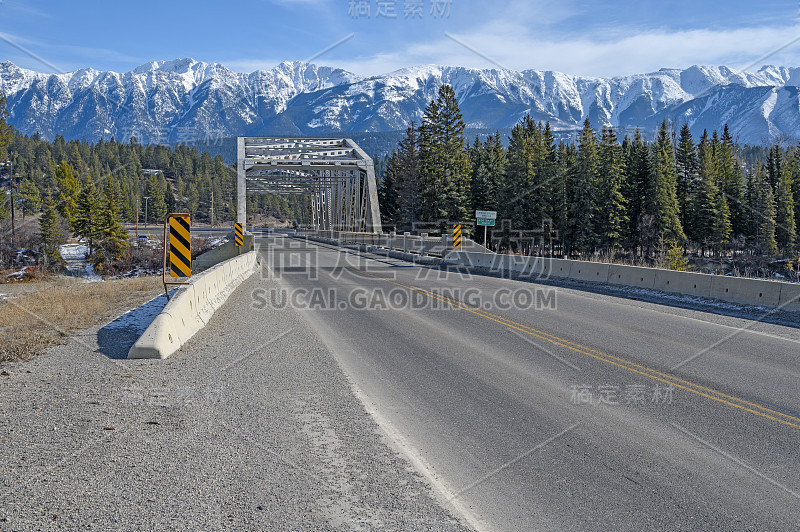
(616, 361)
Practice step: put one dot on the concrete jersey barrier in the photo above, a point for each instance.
(739, 290)
(191, 307)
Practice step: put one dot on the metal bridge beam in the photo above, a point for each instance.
(336, 173)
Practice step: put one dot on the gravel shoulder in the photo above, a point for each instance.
(251, 425)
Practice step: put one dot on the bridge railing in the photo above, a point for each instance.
(424, 245)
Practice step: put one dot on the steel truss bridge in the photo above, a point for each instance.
(336, 174)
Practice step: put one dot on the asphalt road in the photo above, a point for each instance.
(588, 412)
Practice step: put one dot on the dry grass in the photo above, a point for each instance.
(43, 313)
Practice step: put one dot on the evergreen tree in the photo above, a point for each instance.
(612, 216)
(722, 227)
(407, 178)
(114, 237)
(583, 206)
(387, 192)
(786, 231)
(52, 235)
(5, 130)
(773, 167)
(68, 190)
(705, 199)
(765, 210)
(731, 182)
(637, 181)
(518, 201)
(687, 172)
(662, 201)
(444, 162)
(796, 185)
(86, 218)
(157, 205)
(547, 177)
(30, 199)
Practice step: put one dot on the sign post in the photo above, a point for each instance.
(485, 219)
(238, 238)
(177, 231)
(456, 235)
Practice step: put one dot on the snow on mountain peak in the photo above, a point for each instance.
(200, 99)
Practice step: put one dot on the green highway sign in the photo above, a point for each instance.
(486, 221)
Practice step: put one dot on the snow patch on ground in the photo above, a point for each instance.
(88, 274)
(137, 320)
(73, 251)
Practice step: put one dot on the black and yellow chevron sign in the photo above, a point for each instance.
(456, 235)
(180, 247)
(237, 234)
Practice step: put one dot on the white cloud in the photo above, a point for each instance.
(628, 54)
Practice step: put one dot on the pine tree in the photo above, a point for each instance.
(637, 181)
(114, 237)
(51, 235)
(86, 218)
(407, 178)
(6, 131)
(786, 230)
(517, 197)
(547, 178)
(766, 214)
(444, 162)
(30, 198)
(583, 205)
(387, 193)
(796, 185)
(687, 171)
(157, 205)
(705, 198)
(612, 216)
(662, 201)
(773, 167)
(731, 182)
(722, 228)
(68, 190)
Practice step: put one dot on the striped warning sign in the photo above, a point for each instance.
(237, 234)
(456, 235)
(180, 246)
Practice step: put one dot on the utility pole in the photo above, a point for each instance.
(137, 220)
(212, 208)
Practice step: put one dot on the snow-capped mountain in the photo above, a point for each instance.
(185, 100)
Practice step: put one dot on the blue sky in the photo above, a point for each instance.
(573, 36)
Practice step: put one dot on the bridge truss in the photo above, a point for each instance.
(336, 174)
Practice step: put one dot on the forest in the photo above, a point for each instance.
(597, 196)
(93, 190)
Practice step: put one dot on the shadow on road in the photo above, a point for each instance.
(116, 338)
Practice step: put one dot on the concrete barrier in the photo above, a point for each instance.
(589, 271)
(790, 297)
(685, 283)
(226, 251)
(191, 306)
(740, 290)
(746, 291)
(561, 268)
(635, 276)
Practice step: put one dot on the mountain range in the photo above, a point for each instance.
(184, 100)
